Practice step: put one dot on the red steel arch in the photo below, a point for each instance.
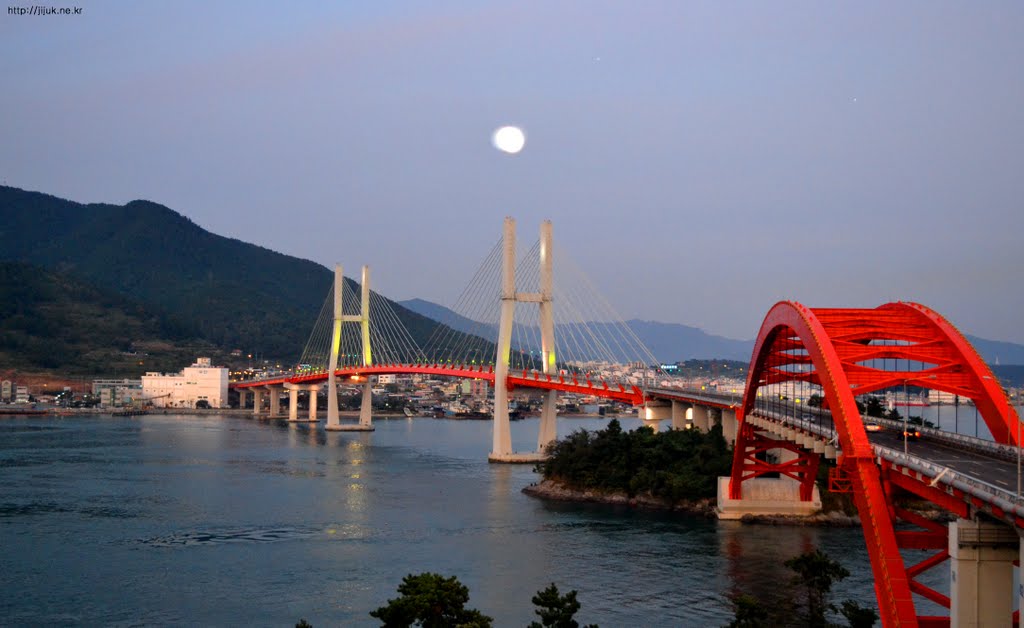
(837, 350)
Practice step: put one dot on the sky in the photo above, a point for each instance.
(701, 161)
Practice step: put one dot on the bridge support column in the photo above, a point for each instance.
(746, 491)
(548, 431)
(655, 412)
(332, 362)
(313, 391)
(293, 401)
(241, 398)
(729, 426)
(257, 401)
(679, 412)
(366, 407)
(275, 400)
(501, 445)
(700, 418)
(981, 559)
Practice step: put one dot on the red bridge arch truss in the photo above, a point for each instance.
(833, 348)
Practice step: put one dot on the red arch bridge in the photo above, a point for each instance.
(833, 356)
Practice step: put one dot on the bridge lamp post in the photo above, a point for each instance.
(906, 417)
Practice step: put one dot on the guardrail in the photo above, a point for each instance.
(1002, 498)
(972, 443)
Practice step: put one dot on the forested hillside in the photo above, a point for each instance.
(228, 293)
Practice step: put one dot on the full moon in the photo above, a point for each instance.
(509, 139)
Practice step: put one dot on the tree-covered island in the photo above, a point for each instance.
(677, 469)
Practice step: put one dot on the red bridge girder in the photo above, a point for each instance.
(516, 379)
(834, 348)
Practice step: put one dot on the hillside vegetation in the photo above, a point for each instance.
(220, 291)
(54, 321)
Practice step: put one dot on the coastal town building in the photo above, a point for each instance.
(198, 385)
(117, 392)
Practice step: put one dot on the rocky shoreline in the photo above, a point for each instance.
(556, 491)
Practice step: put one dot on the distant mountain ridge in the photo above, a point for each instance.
(674, 342)
(232, 294)
(668, 342)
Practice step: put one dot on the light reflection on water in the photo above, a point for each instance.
(230, 521)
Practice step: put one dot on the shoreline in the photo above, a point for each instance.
(552, 490)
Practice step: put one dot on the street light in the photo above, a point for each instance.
(906, 416)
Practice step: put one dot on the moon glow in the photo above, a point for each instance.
(509, 139)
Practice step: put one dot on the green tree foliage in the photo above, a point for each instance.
(811, 588)
(675, 465)
(857, 616)
(303, 624)
(556, 610)
(52, 320)
(873, 407)
(431, 601)
(749, 613)
(815, 575)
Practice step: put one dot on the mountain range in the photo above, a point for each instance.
(669, 342)
(171, 283)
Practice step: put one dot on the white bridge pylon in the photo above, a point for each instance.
(501, 449)
(363, 318)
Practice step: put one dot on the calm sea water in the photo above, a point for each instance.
(181, 520)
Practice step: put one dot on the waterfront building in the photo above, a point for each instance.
(21, 394)
(941, 397)
(117, 392)
(475, 388)
(6, 391)
(201, 382)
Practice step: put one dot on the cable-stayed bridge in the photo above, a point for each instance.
(812, 372)
(523, 327)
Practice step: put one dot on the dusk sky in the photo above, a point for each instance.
(700, 161)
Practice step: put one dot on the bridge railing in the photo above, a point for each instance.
(1003, 498)
(962, 441)
(998, 496)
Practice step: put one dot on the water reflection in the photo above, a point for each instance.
(756, 555)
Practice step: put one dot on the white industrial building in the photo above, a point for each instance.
(196, 383)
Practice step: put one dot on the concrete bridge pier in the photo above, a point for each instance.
(313, 389)
(729, 425)
(701, 420)
(293, 401)
(548, 430)
(981, 556)
(365, 423)
(257, 401)
(656, 411)
(680, 411)
(274, 391)
(241, 398)
(366, 408)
